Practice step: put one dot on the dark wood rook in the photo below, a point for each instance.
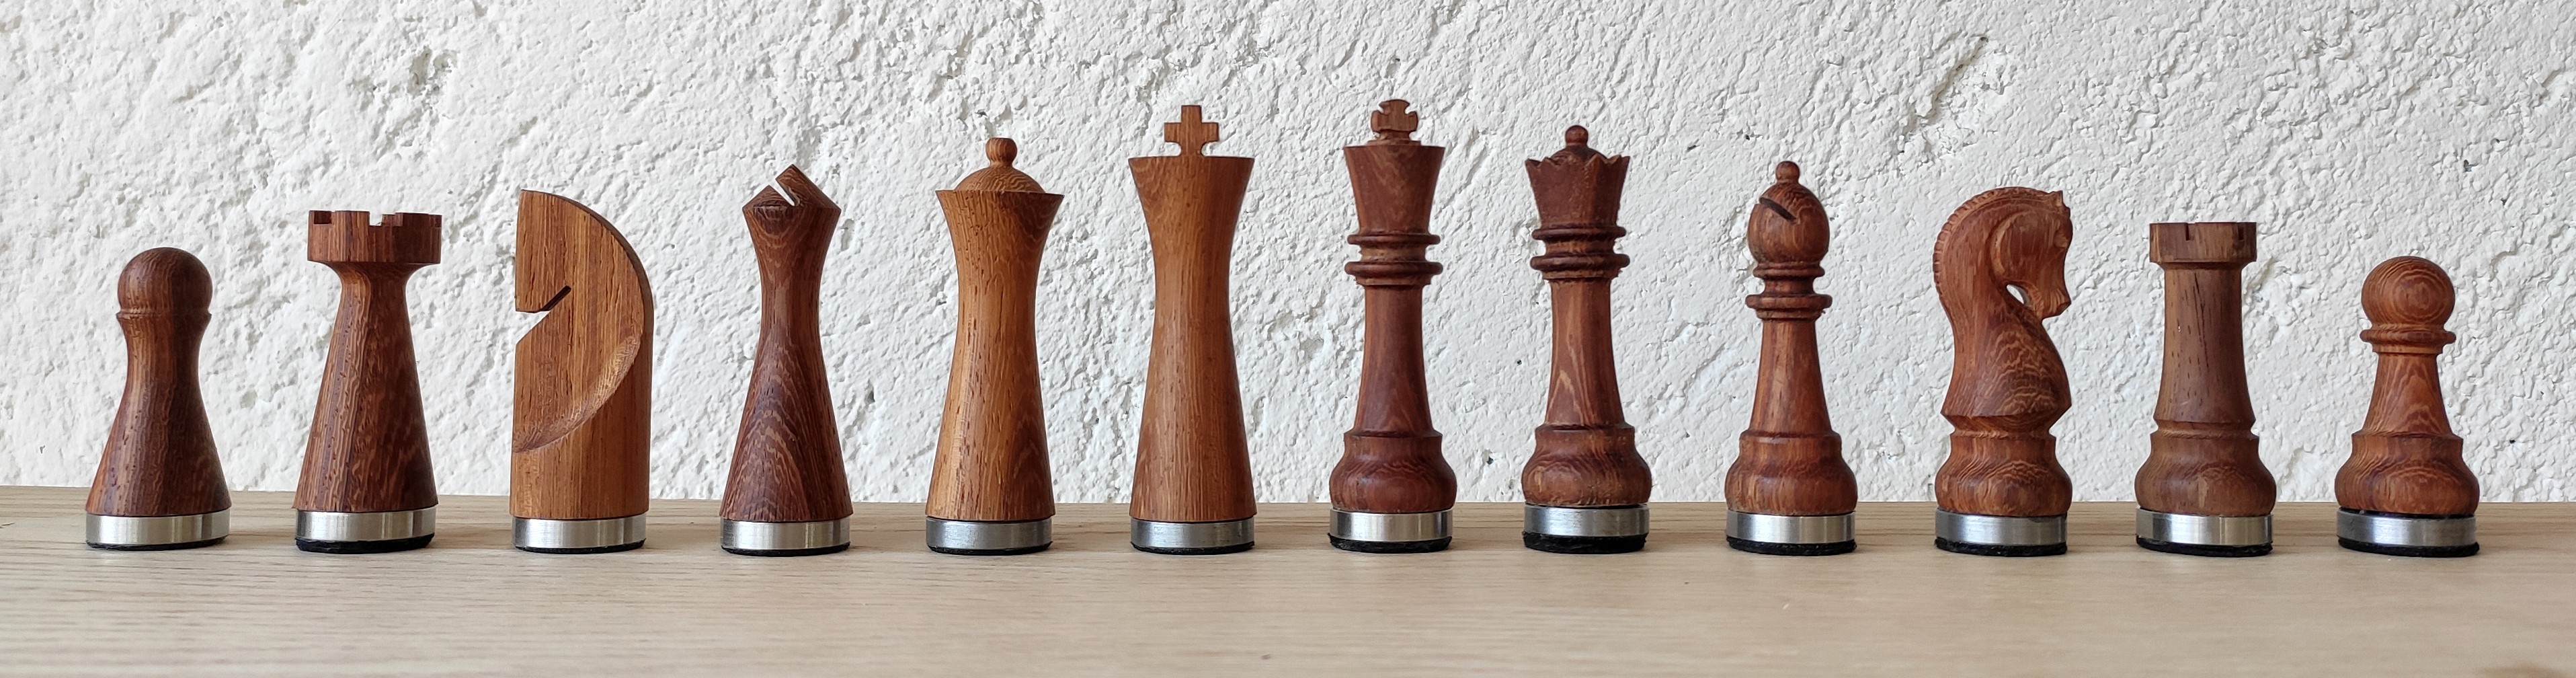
(1392, 491)
(787, 494)
(1584, 489)
(582, 417)
(159, 485)
(1789, 492)
(2001, 491)
(2203, 490)
(991, 492)
(1193, 492)
(2406, 491)
(367, 486)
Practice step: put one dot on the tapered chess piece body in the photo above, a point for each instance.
(2001, 492)
(787, 494)
(159, 485)
(1193, 492)
(1789, 492)
(1585, 487)
(582, 413)
(2203, 490)
(1392, 491)
(991, 492)
(367, 486)
(2405, 491)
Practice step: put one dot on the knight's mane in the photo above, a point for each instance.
(1953, 229)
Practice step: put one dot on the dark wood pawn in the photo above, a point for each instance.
(2000, 267)
(2203, 490)
(1789, 492)
(787, 494)
(159, 485)
(367, 486)
(2406, 491)
(1392, 491)
(1585, 487)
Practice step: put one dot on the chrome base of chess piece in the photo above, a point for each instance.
(2398, 534)
(2008, 536)
(1790, 535)
(747, 538)
(159, 533)
(1390, 532)
(374, 532)
(987, 538)
(1190, 539)
(1583, 530)
(2213, 536)
(602, 535)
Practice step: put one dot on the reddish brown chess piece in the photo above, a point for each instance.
(1193, 493)
(1584, 489)
(1392, 491)
(367, 486)
(991, 492)
(1789, 492)
(787, 494)
(159, 485)
(2405, 491)
(582, 416)
(2203, 490)
(2001, 491)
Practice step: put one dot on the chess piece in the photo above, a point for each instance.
(1392, 491)
(582, 417)
(2203, 490)
(2405, 491)
(990, 489)
(159, 485)
(1584, 489)
(1193, 493)
(1789, 492)
(367, 486)
(787, 494)
(2002, 492)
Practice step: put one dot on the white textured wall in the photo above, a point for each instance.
(2353, 131)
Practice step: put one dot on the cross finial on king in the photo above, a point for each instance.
(1191, 133)
(1393, 124)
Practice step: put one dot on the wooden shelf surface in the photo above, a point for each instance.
(1687, 606)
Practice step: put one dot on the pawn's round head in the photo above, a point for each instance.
(165, 280)
(2407, 291)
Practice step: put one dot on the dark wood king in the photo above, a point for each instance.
(1585, 488)
(1392, 491)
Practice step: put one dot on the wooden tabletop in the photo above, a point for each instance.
(1686, 606)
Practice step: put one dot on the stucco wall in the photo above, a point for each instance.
(2353, 131)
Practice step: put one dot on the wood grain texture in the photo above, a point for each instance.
(1391, 459)
(160, 457)
(469, 605)
(1586, 453)
(992, 459)
(369, 451)
(787, 457)
(1191, 461)
(582, 411)
(2007, 386)
(2405, 459)
(2203, 458)
(1789, 461)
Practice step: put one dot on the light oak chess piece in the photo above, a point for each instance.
(582, 417)
(991, 492)
(1193, 492)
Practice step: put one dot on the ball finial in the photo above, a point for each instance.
(1786, 172)
(1577, 136)
(1001, 150)
(2409, 291)
(164, 280)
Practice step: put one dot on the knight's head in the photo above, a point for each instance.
(2028, 251)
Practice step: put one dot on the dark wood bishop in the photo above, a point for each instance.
(367, 486)
(159, 485)
(2001, 491)
(582, 411)
(1193, 492)
(2203, 490)
(991, 492)
(1585, 487)
(787, 495)
(1392, 490)
(2406, 491)
(1789, 492)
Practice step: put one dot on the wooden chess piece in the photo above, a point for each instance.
(367, 486)
(1392, 490)
(2203, 490)
(991, 492)
(2001, 491)
(787, 494)
(1585, 488)
(1789, 492)
(582, 417)
(2405, 491)
(159, 486)
(1193, 493)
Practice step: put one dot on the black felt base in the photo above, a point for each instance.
(347, 547)
(157, 547)
(788, 553)
(1999, 550)
(2205, 549)
(1553, 543)
(594, 549)
(1778, 549)
(1025, 550)
(1357, 546)
(2410, 551)
(1208, 551)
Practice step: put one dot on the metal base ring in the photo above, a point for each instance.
(987, 538)
(2398, 534)
(1587, 530)
(601, 535)
(2010, 536)
(748, 538)
(2213, 536)
(1390, 532)
(1790, 535)
(372, 532)
(158, 533)
(1190, 539)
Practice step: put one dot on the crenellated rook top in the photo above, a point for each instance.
(348, 237)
